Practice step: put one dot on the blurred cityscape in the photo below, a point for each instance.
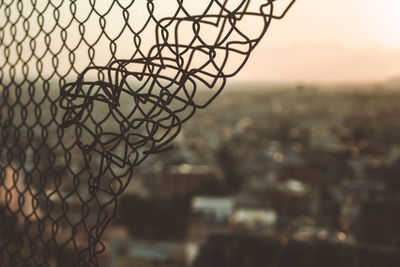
(285, 176)
(277, 176)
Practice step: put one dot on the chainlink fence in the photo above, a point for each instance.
(88, 90)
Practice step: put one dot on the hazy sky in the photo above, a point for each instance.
(330, 41)
(318, 40)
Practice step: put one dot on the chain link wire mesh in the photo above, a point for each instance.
(88, 90)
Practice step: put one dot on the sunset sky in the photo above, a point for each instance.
(321, 41)
(330, 41)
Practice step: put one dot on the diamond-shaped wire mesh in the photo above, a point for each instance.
(89, 89)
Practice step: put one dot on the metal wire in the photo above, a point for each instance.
(88, 90)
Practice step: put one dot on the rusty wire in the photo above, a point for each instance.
(89, 89)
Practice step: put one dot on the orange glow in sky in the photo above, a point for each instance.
(330, 41)
(318, 40)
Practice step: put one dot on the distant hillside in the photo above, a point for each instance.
(394, 81)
